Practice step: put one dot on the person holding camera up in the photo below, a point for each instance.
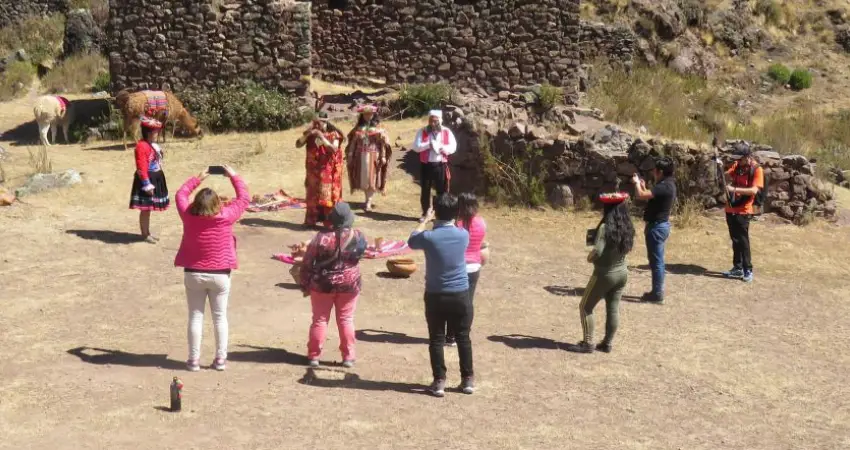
(747, 180)
(657, 217)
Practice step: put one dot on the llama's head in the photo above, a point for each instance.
(191, 126)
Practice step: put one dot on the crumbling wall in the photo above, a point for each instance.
(13, 11)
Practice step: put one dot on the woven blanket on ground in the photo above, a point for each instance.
(275, 202)
(388, 248)
(155, 102)
(63, 103)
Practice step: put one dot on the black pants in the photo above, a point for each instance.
(454, 309)
(432, 176)
(739, 231)
(473, 281)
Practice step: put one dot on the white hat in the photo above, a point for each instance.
(435, 112)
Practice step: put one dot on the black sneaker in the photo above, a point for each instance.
(581, 347)
(451, 342)
(603, 347)
(650, 297)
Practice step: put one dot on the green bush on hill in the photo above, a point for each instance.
(779, 73)
(416, 100)
(800, 79)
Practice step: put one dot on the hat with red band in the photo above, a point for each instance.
(613, 198)
(151, 123)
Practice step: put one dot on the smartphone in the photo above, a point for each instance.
(590, 239)
(216, 170)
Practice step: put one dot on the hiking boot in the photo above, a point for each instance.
(193, 365)
(736, 274)
(651, 297)
(438, 388)
(450, 342)
(314, 363)
(748, 276)
(219, 364)
(582, 347)
(467, 385)
(604, 347)
(348, 363)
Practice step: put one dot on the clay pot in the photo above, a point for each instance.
(402, 267)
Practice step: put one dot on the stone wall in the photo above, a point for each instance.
(175, 43)
(605, 162)
(13, 11)
(613, 43)
(495, 44)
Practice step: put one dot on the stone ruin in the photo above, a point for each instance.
(493, 45)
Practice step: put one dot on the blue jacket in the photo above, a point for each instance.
(445, 262)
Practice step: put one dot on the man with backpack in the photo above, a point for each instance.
(744, 193)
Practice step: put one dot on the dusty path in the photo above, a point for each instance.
(722, 365)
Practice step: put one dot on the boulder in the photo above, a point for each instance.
(41, 182)
(82, 34)
(561, 196)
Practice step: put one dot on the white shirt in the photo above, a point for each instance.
(435, 147)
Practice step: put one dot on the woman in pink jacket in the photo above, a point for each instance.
(468, 218)
(208, 254)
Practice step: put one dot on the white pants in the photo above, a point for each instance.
(199, 286)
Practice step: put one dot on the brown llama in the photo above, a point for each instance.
(135, 105)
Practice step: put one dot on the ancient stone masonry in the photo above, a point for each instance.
(495, 44)
(13, 11)
(614, 43)
(605, 162)
(176, 43)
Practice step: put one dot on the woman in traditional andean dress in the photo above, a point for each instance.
(368, 154)
(324, 164)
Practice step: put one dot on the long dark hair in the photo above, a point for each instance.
(467, 205)
(619, 230)
(373, 122)
(146, 134)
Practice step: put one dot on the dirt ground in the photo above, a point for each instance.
(93, 328)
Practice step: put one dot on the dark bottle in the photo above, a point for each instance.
(176, 395)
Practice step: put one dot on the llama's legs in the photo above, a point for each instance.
(43, 128)
(65, 127)
(53, 129)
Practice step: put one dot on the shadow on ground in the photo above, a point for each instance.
(107, 236)
(258, 222)
(567, 291)
(524, 342)
(109, 148)
(388, 337)
(267, 355)
(686, 269)
(101, 356)
(88, 113)
(353, 381)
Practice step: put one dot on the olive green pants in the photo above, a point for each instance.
(610, 286)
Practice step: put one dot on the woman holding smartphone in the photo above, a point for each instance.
(208, 255)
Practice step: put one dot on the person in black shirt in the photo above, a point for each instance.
(657, 218)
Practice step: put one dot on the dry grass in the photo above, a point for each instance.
(721, 365)
(40, 37)
(40, 161)
(76, 74)
(16, 79)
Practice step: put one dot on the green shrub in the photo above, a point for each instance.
(79, 73)
(416, 100)
(779, 73)
(694, 11)
(771, 10)
(17, 74)
(40, 37)
(549, 97)
(245, 107)
(515, 179)
(101, 82)
(800, 79)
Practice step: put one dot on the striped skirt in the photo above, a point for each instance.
(154, 201)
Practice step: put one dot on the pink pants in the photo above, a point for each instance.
(345, 304)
